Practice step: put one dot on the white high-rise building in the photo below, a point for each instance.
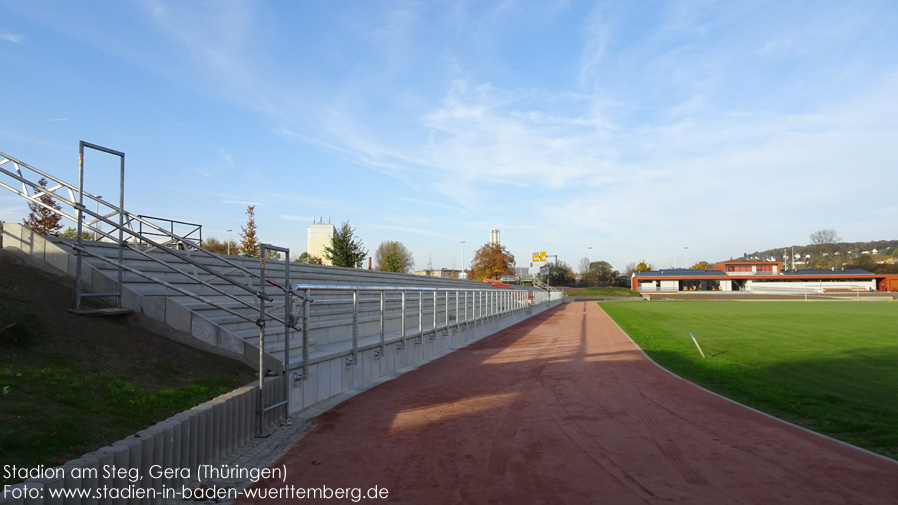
(318, 236)
(494, 236)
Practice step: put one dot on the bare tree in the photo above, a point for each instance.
(825, 256)
(829, 236)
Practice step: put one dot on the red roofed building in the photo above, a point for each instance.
(761, 276)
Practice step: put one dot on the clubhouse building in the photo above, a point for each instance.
(761, 276)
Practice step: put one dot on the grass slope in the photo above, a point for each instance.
(831, 367)
(71, 384)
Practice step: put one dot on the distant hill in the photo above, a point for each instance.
(863, 254)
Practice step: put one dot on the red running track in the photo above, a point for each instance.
(564, 408)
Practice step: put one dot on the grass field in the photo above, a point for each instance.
(831, 367)
(598, 292)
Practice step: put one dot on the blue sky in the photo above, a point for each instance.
(615, 130)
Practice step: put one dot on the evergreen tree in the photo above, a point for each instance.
(345, 250)
(249, 243)
(42, 219)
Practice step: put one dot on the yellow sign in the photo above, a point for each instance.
(539, 256)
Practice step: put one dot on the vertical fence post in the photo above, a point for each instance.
(261, 324)
(468, 316)
(355, 327)
(479, 307)
(457, 328)
(489, 305)
(383, 334)
(421, 315)
(404, 338)
(305, 335)
(286, 331)
(446, 305)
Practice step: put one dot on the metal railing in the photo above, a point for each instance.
(395, 311)
(193, 234)
(538, 283)
(73, 197)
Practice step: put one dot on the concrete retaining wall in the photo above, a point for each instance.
(130, 471)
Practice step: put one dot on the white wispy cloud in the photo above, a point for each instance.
(406, 229)
(15, 38)
(661, 118)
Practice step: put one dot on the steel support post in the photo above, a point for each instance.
(383, 333)
(457, 327)
(404, 337)
(421, 315)
(263, 297)
(446, 306)
(305, 335)
(355, 327)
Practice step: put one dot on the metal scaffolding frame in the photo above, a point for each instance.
(139, 241)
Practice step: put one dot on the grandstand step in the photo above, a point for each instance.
(102, 312)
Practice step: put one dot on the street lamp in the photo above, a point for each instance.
(687, 256)
(463, 269)
(229, 242)
(588, 264)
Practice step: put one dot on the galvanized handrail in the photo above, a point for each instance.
(188, 237)
(74, 195)
(472, 306)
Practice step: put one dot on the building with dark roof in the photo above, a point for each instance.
(761, 276)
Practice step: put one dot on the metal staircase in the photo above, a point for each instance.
(537, 283)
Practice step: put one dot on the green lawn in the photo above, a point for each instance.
(68, 393)
(598, 292)
(831, 367)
